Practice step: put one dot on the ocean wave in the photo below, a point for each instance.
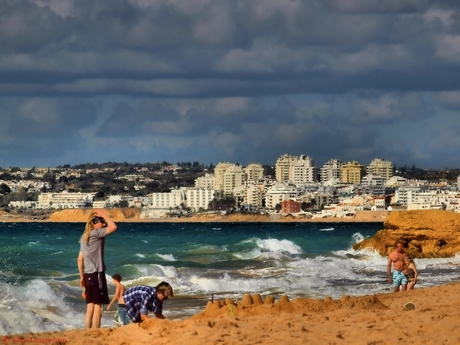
(166, 257)
(272, 244)
(35, 307)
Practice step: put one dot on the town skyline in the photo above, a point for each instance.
(3, 167)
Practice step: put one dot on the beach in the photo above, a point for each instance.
(324, 291)
(373, 319)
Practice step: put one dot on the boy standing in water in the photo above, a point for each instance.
(121, 318)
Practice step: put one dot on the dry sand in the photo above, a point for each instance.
(378, 320)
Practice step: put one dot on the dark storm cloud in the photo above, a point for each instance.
(236, 80)
(38, 117)
(230, 48)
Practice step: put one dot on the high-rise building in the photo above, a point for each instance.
(381, 167)
(255, 194)
(219, 172)
(303, 171)
(331, 170)
(282, 167)
(233, 177)
(205, 182)
(352, 172)
(254, 172)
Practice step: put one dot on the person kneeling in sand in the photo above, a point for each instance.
(140, 300)
(120, 318)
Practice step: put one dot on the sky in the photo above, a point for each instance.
(239, 81)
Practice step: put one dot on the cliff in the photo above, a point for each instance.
(428, 234)
(81, 215)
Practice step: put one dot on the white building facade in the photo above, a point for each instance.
(197, 198)
(64, 200)
(279, 192)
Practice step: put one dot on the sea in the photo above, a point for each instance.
(39, 280)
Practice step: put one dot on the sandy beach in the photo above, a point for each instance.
(379, 319)
(252, 319)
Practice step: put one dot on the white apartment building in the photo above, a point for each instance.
(255, 194)
(116, 199)
(169, 200)
(205, 182)
(282, 167)
(233, 177)
(219, 172)
(64, 200)
(197, 198)
(396, 181)
(406, 195)
(279, 192)
(428, 200)
(373, 181)
(133, 177)
(254, 172)
(453, 202)
(331, 170)
(380, 167)
(21, 204)
(303, 171)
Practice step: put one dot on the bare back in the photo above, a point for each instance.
(119, 293)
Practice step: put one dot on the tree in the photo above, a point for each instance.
(4, 188)
(222, 202)
(123, 204)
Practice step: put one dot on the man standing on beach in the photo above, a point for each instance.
(396, 257)
(139, 300)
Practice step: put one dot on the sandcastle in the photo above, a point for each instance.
(247, 301)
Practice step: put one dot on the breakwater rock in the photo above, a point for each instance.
(427, 234)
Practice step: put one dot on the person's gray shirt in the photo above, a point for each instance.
(93, 251)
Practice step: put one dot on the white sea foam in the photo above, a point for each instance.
(140, 255)
(327, 229)
(34, 307)
(357, 237)
(272, 244)
(345, 272)
(150, 274)
(167, 257)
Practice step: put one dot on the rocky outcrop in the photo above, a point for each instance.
(427, 234)
(81, 215)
